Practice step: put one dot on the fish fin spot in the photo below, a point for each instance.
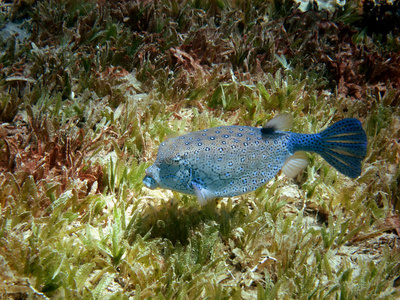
(280, 122)
(268, 130)
(203, 195)
(295, 164)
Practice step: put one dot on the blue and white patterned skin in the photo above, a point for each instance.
(228, 161)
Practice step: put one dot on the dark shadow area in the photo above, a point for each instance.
(177, 222)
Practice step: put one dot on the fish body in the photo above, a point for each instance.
(228, 161)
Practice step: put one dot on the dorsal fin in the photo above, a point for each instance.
(280, 122)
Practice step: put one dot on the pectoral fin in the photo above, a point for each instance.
(203, 195)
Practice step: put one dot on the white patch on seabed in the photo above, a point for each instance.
(329, 5)
(290, 192)
(157, 196)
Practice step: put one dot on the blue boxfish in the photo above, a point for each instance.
(232, 160)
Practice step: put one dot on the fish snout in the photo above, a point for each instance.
(149, 182)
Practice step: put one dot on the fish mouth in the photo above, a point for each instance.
(149, 182)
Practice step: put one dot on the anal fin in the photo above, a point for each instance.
(295, 164)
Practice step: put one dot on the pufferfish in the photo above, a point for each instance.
(227, 161)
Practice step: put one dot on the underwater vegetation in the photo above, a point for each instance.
(90, 89)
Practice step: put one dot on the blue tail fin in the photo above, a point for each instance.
(344, 146)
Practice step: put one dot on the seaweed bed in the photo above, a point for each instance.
(89, 89)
